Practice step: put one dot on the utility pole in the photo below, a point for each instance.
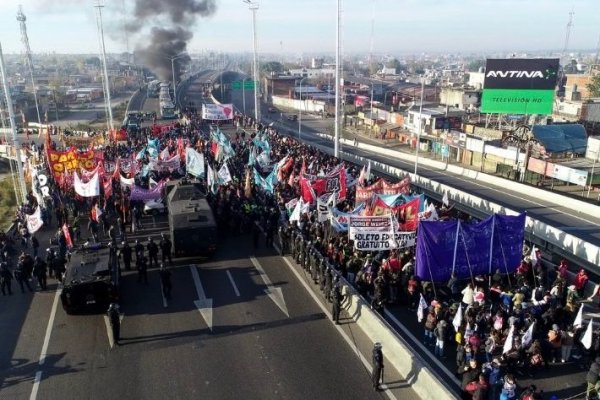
(568, 33)
(13, 127)
(253, 6)
(338, 61)
(22, 19)
(99, 7)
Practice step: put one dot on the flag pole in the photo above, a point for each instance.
(467, 256)
(491, 250)
(455, 246)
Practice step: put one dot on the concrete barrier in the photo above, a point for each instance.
(423, 380)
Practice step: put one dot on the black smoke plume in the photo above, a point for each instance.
(171, 24)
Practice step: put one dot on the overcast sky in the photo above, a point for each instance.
(297, 26)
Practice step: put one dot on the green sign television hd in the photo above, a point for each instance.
(519, 86)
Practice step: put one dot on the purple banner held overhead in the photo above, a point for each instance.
(465, 248)
(138, 193)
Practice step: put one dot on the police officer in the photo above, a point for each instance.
(165, 247)
(152, 252)
(139, 250)
(165, 280)
(50, 260)
(5, 279)
(377, 375)
(126, 254)
(328, 283)
(39, 271)
(336, 298)
(115, 322)
(281, 233)
(142, 269)
(58, 267)
(21, 277)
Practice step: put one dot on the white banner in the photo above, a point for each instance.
(377, 241)
(224, 175)
(217, 112)
(34, 221)
(90, 189)
(381, 224)
(194, 162)
(125, 182)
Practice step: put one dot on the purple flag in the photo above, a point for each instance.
(138, 193)
(438, 242)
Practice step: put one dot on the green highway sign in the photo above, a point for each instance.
(237, 85)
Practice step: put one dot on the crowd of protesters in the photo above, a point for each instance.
(494, 308)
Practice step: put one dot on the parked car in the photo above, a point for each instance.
(272, 110)
(292, 117)
(155, 207)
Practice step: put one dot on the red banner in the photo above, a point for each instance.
(107, 185)
(331, 183)
(402, 187)
(65, 162)
(408, 215)
(366, 193)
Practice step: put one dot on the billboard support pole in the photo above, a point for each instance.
(592, 173)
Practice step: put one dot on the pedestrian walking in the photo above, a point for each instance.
(114, 318)
(40, 272)
(377, 375)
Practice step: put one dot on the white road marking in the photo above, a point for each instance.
(203, 304)
(44, 352)
(274, 293)
(235, 289)
(111, 341)
(340, 330)
(162, 293)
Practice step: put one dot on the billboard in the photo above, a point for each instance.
(519, 86)
(217, 112)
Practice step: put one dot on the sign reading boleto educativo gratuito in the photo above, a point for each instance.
(519, 86)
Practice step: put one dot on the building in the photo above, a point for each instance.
(313, 72)
(460, 97)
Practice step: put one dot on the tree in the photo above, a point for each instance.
(271, 66)
(594, 86)
(394, 63)
(474, 65)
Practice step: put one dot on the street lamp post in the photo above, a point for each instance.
(244, 95)
(173, 58)
(420, 125)
(253, 6)
(300, 112)
(105, 70)
(338, 51)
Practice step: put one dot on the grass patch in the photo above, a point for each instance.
(8, 203)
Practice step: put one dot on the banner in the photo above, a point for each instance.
(89, 189)
(365, 193)
(168, 165)
(217, 112)
(402, 187)
(34, 221)
(138, 193)
(465, 248)
(107, 186)
(519, 86)
(194, 162)
(331, 183)
(65, 162)
(358, 224)
(224, 175)
(378, 241)
(408, 214)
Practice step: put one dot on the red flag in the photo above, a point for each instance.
(117, 172)
(308, 194)
(408, 215)
(67, 234)
(303, 169)
(107, 185)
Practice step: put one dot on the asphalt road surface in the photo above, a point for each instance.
(252, 347)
